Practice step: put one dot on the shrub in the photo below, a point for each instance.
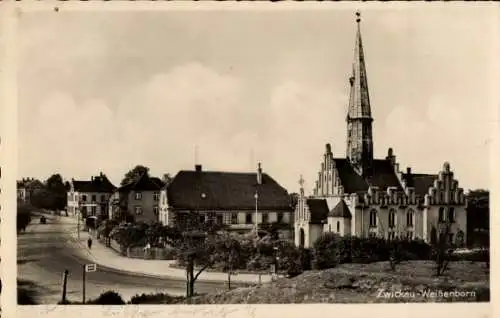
(326, 251)
(159, 298)
(108, 298)
(25, 297)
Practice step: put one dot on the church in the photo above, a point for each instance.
(361, 196)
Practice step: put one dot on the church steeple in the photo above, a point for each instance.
(359, 118)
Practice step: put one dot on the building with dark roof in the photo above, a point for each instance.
(363, 196)
(244, 201)
(138, 200)
(90, 197)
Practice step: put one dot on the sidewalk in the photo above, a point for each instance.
(107, 257)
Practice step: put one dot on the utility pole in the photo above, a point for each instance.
(83, 283)
(65, 281)
(256, 196)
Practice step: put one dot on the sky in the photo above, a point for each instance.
(105, 91)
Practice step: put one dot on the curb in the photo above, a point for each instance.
(149, 275)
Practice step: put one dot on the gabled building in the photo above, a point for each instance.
(138, 200)
(90, 198)
(242, 201)
(26, 188)
(362, 196)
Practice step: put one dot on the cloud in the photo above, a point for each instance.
(426, 141)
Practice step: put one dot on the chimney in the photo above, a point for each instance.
(259, 174)
(408, 170)
(92, 178)
(197, 168)
(101, 174)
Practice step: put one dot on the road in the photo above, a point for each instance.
(44, 251)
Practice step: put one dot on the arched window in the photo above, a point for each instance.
(338, 226)
(451, 215)
(441, 215)
(410, 215)
(392, 218)
(373, 218)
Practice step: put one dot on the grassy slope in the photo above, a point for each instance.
(360, 283)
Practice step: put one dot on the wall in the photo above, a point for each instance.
(74, 199)
(146, 202)
(460, 223)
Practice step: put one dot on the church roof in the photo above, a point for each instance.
(421, 182)
(383, 176)
(318, 209)
(225, 191)
(341, 210)
(359, 99)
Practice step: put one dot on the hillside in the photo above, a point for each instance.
(362, 283)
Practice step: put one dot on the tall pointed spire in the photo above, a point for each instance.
(359, 118)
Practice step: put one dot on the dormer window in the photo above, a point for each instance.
(138, 195)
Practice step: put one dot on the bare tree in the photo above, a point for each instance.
(442, 246)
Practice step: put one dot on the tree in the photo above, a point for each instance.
(442, 247)
(197, 246)
(23, 216)
(134, 174)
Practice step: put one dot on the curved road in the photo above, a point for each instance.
(44, 251)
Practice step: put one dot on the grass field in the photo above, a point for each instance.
(363, 283)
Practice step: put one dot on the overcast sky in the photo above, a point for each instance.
(106, 91)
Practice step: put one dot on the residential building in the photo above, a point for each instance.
(139, 199)
(242, 201)
(90, 198)
(26, 188)
(362, 196)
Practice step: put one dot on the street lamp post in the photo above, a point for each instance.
(256, 196)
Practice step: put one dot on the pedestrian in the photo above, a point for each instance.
(89, 242)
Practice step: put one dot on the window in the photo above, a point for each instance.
(451, 215)
(409, 218)
(338, 226)
(248, 218)
(138, 210)
(155, 210)
(156, 196)
(392, 218)
(265, 218)
(219, 219)
(202, 218)
(280, 217)
(94, 210)
(94, 198)
(441, 215)
(84, 198)
(373, 218)
(103, 198)
(234, 218)
(138, 195)
(450, 238)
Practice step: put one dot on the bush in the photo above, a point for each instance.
(326, 251)
(23, 216)
(160, 298)
(25, 297)
(108, 298)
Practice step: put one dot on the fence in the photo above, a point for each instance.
(151, 253)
